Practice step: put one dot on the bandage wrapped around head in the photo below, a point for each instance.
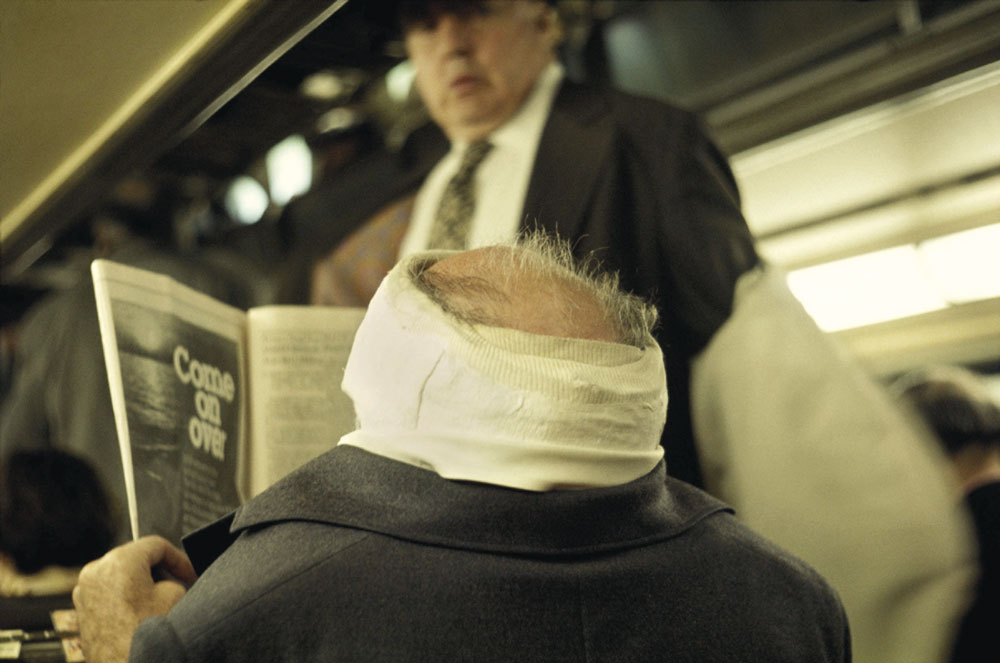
(496, 405)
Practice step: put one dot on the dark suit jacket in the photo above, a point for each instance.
(638, 184)
(356, 557)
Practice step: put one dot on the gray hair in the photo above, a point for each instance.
(572, 289)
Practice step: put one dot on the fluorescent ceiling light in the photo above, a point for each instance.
(966, 265)
(289, 169)
(337, 119)
(323, 85)
(246, 201)
(866, 289)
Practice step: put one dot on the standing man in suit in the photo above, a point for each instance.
(633, 181)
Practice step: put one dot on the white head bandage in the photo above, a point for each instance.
(501, 406)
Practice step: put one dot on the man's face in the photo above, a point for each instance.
(475, 68)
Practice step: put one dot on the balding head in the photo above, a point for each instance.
(536, 286)
(494, 365)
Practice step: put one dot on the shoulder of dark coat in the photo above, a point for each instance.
(631, 112)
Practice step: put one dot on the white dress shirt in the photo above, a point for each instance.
(501, 179)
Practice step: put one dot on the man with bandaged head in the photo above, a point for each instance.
(503, 498)
(766, 412)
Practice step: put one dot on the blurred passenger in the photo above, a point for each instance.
(504, 498)
(815, 454)
(59, 398)
(965, 417)
(55, 517)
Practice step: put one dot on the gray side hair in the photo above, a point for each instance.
(573, 287)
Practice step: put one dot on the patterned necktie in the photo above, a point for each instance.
(454, 214)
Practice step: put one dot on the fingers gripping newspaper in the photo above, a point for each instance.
(213, 404)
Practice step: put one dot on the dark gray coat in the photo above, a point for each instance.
(356, 557)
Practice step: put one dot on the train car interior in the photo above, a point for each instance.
(864, 137)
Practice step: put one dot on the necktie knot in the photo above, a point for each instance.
(474, 155)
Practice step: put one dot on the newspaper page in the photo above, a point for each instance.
(298, 409)
(175, 360)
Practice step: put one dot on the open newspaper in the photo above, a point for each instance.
(213, 404)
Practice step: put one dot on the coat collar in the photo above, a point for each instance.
(349, 487)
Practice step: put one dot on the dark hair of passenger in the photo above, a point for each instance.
(955, 405)
(53, 511)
